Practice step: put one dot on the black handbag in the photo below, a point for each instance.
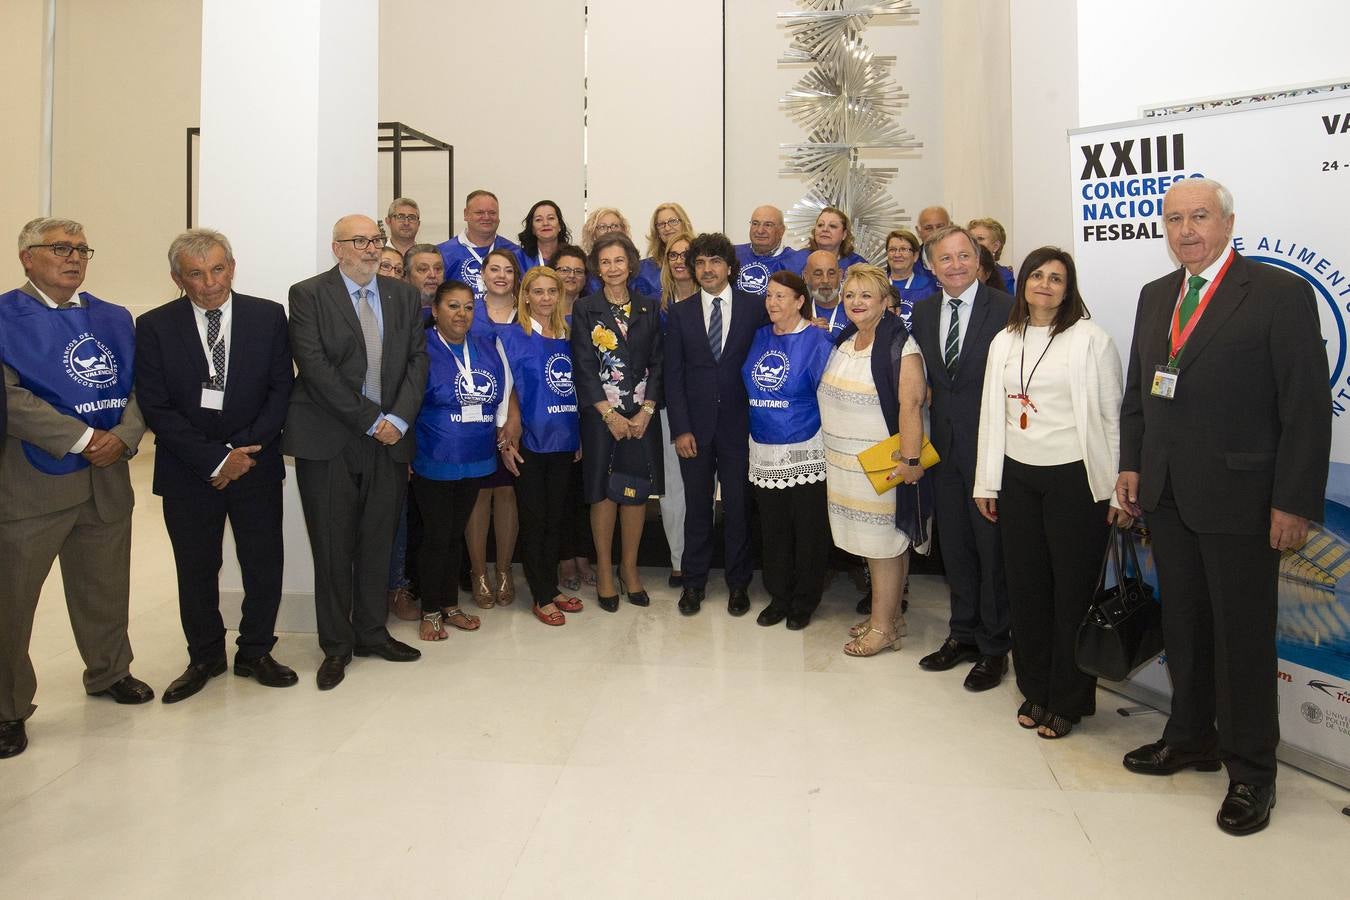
(1123, 627)
(626, 489)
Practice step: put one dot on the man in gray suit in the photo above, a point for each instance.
(65, 490)
(360, 353)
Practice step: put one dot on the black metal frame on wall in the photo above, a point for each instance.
(393, 137)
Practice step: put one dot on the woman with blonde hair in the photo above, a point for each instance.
(668, 220)
(605, 221)
(989, 233)
(540, 438)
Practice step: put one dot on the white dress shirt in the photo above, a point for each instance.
(226, 316)
(967, 299)
(707, 299)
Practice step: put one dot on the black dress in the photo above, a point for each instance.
(616, 356)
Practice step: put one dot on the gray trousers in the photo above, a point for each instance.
(96, 568)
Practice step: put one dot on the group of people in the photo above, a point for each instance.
(431, 395)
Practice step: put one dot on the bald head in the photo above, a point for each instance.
(766, 229)
(357, 263)
(822, 276)
(931, 219)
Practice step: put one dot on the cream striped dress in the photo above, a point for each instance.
(862, 522)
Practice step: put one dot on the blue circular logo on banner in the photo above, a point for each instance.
(1332, 318)
(90, 363)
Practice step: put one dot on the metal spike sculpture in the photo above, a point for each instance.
(846, 103)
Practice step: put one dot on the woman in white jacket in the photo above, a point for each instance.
(1046, 468)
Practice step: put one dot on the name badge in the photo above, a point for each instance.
(472, 413)
(1165, 382)
(212, 398)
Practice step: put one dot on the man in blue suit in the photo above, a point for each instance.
(213, 371)
(706, 345)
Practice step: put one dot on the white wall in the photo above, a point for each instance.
(756, 125)
(1154, 52)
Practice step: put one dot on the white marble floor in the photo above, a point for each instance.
(639, 754)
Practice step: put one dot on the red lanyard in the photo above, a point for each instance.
(1180, 336)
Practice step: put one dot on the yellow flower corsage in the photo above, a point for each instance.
(603, 338)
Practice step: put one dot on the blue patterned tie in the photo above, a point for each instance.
(953, 348)
(217, 347)
(715, 329)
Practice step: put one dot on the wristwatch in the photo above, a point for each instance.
(911, 460)
(650, 407)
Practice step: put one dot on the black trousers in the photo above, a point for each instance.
(445, 508)
(795, 546)
(196, 526)
(1219, 603)
(351, 504)
(541, 495)
(724, 460)
(972, 554)
(575, 540)
(1054, 536)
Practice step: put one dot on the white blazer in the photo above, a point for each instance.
(1095, 390)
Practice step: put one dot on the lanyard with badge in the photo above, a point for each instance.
(473, 413)
(213, 389)
(1165, 377)
(833, 313)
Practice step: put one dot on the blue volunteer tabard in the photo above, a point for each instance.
(448, 446)
(79, 360)
(541, 371)
(464, 262)
(781, 373)
(753, 277)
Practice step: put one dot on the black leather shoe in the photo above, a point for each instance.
(987, 673)
(690, 601)
(193, 679)
(798, 621)
(864, 607)
(13, 739)
(738, 601)
(331, 671)
(949, 655)
(637, 598)
(1246, 809)
(267, 671)
(771, 615)
(675, 580)
(392, 650)
(130, 691)
(1159, 759)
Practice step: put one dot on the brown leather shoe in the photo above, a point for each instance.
(404, 605)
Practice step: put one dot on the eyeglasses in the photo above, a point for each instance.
(569, 271)
(64, 250)
(668, 223)
(405, 217)
(361, 242)
(676, 256)
(606, 229)
(389, 268)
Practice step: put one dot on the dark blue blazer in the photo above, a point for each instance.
(170, 368)
(706, 396)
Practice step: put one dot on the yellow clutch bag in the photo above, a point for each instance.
(879, 460)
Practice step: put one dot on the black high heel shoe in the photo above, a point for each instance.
(639, 598)
(608, 604)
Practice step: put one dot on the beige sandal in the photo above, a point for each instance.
(506, 587)
(457, 617)
(483, 597)
(867, 645)
(900, 626)
(430, 628)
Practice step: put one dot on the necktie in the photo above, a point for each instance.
(69, 304)
(217, 347)
(952, 350)
(715, 329)
(370, 330)
(1191, 300)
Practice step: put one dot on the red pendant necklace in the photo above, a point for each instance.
(1025, 382)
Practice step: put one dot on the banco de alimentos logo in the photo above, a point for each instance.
(90, 363)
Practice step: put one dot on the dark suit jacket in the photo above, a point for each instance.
(1250, 426)
(170, 369)
(705, 396)
(327, 409)
(955, 413)
(641, 351)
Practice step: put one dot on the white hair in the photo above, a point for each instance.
(195, 243)
(1225, 196)
(31, 234)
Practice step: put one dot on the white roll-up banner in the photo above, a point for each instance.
(1288, 166)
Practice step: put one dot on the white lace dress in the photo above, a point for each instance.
(862, 522)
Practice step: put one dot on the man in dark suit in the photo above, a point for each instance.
(213, 373)
(360, 352)
(706, 345)
(1225, 433)
(953, 329)
(65, 487)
